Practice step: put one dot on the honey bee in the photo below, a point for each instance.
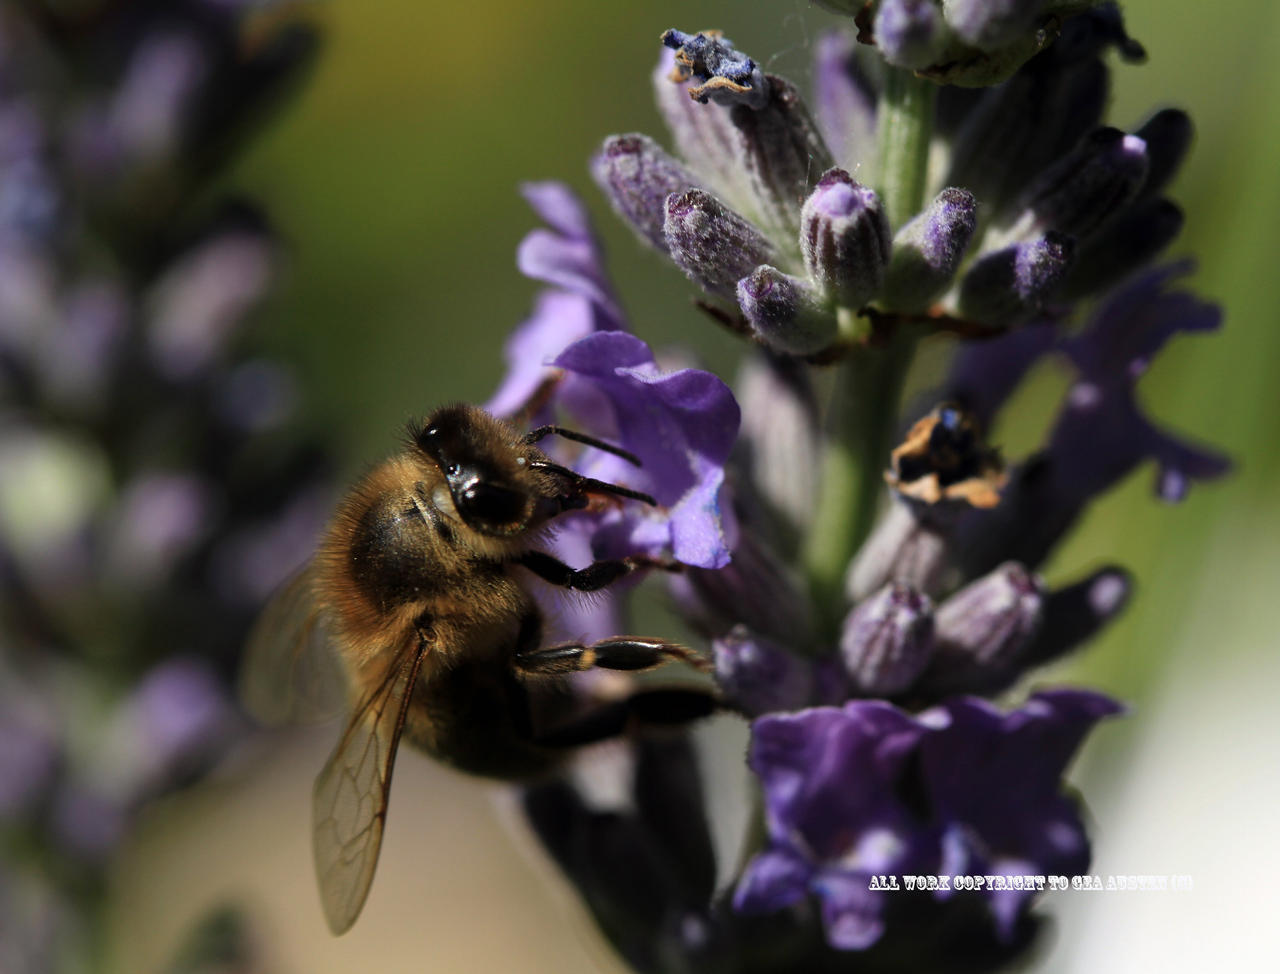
(414, 612)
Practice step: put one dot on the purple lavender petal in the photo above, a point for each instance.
(567, 256)
(681, 425)
(852, 914)
(998, 774)
(559, 319)
(1135, 322)
(984, 374)
(772, 880)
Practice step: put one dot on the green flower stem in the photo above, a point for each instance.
(905, 128)
(864, 410)
(869, 387)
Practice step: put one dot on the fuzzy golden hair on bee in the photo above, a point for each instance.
(418, 611)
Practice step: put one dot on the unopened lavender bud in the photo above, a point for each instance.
(779, 149)
(844, 238)
(927, 251)
(1082, 191)
(984, 628)
(759, 677)
(725, 74)
(909, 33)
(1128, 242)
(1008, 286)
(786, 312)
(1168, 135)
(1073, 614)
(904, 547)
(713, 245)
(1002, 144)
(887, 641)
(988, 24)
(637, 176)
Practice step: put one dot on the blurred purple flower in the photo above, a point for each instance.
(868, 790)
(569, 257)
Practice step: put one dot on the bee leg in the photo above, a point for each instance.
(595, 576)
(665, 707)
(614, 653)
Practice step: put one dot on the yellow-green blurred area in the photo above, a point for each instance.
(394, 180)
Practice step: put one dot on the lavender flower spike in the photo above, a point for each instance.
(844, 237)
(713, 245)
(726, 75)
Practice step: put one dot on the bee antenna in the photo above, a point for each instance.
(534, 435)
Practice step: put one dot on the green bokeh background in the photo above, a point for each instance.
(394, 180)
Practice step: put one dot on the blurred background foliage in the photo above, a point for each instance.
(393, 181)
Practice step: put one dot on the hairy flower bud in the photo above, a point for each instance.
(909, 33)
(637, 176)
(887, 640)
(1168, 135)
(779, 149)
(984, 628)
(927, 251)
(1073, 614)
(1083, 190)
(1125, 244)
(904, 547)
(844, 239)
(1008, 286)
(1004, 141)
(712, 244)
(786, 312)
(758, 676)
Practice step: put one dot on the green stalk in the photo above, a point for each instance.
(869, 386)
(905, 128)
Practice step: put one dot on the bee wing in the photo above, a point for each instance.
(349, 804)
(291, 673)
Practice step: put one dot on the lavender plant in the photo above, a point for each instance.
(953, 181)
(155, 488)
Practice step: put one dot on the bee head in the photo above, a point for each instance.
(483, 466)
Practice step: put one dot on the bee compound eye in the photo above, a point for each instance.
(492, 505)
